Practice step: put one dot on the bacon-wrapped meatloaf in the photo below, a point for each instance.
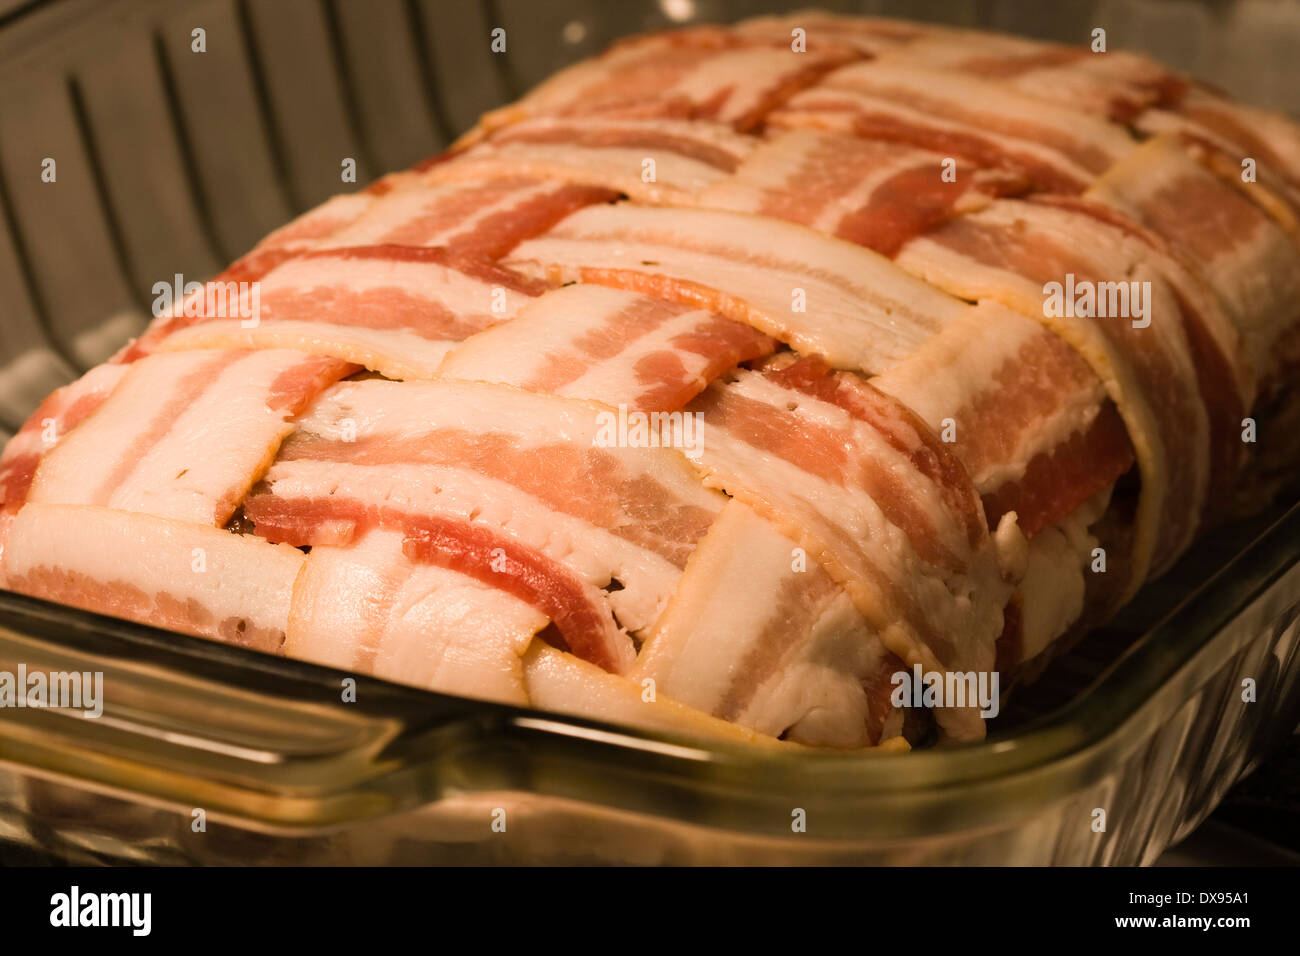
(711, 387)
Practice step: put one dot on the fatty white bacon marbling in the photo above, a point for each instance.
(480, 218)
(608, 345)
(824, 296)
(388, 283)
(869, 36)
(699, 73)
(979, 122)
(1027, 416)
(758, 636)
(874, 193)
(1116, 84)
(1036, 431)
(171, 574)
(502, 484)
(1008, 252)
(876, 499)
(369, 608)
(184, 435)
(651, 160)
(395, 309)
(62, 410)
(1240, 130)
(1246, 256)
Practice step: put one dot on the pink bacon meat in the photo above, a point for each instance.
(980, 122)
(184, 435)
(874, 497)
(699, 73)
(171, 574)
(395, 309)
(1030, 420)
(822, 295)
(470, 474)
(875, 193)
(1009, 252)
(652, 160)
(608, 345)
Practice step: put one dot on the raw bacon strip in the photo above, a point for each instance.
(756, 636)
(1232, 242)
(306, 232)
(700, 73)
(171, 574)
(546, 471)
(1009, 252)
(864, 488)
(608, 345)
(1271, 139)
(62, 411)
(652, 160)
(870, 36)
(336, 213)
(822, 295)
(395, 309)
(184, 435)
(382, 315)
(1115, 84)
(875, 193)
(565, 684)
(1030, 420)
(1222, 377)
(1056, 149)
(370, 608)
(458, 544)
(472, 219)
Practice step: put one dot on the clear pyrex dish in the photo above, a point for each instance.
(285, 772)
(173, 161)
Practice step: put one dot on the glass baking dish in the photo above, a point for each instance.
(1143, 720)
(284, 771)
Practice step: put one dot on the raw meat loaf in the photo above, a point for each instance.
(710, 387)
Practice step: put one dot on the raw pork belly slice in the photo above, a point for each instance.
(173, 574)
(870, 36)
(62, 411)
(712, 386)
(875, 498)
(184, 435)
(1114, 84)
(478, 218)
(395, 309)
(876, 193)
(368, 607)
(700, 73)
(1027, 416)
(1251, 263)
(977, 121)
(821, 295)
(1271, 139)
(608, 345)
(760, 635)
(511, 487)
(1009, 252)
(652, 160)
